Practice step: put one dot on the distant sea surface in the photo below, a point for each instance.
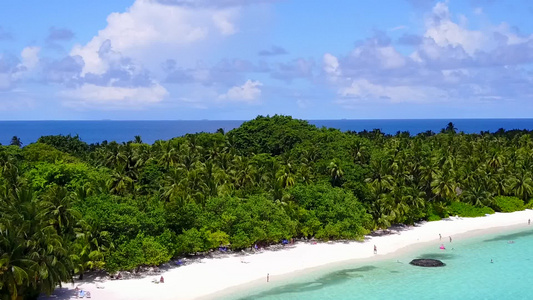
(151, 131)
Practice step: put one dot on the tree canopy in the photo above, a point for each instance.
(67, 207)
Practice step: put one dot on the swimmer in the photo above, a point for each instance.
(491, 261)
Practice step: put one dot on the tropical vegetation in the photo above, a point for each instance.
(67, 207)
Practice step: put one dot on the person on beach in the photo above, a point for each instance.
(268, 277)
(162, 280)
(77, 291)
(528, 221)
(375, 249)
(450, 239)
(440, 237)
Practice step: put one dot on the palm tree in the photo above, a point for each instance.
(444, 185)
(521, 185)
(33, 258)
(15, 141)
(120, 183)
(57, 203)
(336, 173)
(138, 139)
(166, 153)
(477, 196)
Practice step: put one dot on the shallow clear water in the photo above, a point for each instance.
(468, 274)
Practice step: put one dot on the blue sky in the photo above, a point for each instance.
(236, 59)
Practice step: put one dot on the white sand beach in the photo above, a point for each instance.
(207, 276)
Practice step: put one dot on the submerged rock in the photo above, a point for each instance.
(426, 262)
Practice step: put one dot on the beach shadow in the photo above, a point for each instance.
(393, 229)
(61, 293)
(334, 278)
(510, 237)
(439, 256)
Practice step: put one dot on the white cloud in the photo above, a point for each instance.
(248, 92)
(105, 97)
(30, 57)
(148, 28)
(331, 65)
(445, 32)
(362, 89)
(390, 58)
(223, 21)
(26, 68)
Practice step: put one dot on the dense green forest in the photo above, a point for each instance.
(67, 207)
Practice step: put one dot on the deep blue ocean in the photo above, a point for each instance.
(150, 131)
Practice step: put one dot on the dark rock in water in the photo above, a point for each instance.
(426, 262)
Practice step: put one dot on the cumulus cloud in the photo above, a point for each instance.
(449, 62)
(59, 34)
(298, 68)
(143, 28)
(115, 59)
(249, 92)
(444, 31)
(274, 50)
(30, 57)
(331, 65)
(225, 72)
(223, 20)
(114, 97)
(362, 89)
(410, 40)
(65, 70)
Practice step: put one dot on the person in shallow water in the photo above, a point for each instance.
(442, 247)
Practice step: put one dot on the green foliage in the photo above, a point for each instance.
(330, 213)
(247, 221)
(274, 135)
(436, 212)
(142, 250)
(529, 204)
(69, 175)
(508, 204)
(80, 207)
(193, 241)
(39, 152)
(468, 210)
(68, 144)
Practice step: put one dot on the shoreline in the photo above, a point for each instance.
(208, 278)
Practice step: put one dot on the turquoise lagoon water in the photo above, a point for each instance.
(468, 274)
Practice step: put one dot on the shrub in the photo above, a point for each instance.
(468, 210)
(508, 204)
